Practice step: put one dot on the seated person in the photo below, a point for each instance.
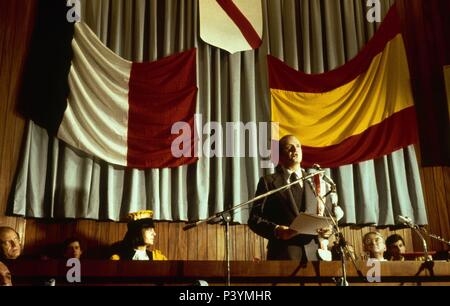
(442, 255)
(72, 248)
(374, 245)
(11, 247)
(5, 275)
(139, 239)
(395, 248)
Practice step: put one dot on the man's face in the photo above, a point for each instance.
(5, 275)
(290, 151)
(73, 250)
(375, 245)
(10, 244)
(149, 235)
(397, 248)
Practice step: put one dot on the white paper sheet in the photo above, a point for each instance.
(309, 224)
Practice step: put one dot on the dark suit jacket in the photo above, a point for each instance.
(281, 209)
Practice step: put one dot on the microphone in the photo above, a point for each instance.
(325, 177)
(407, 221)
(190, 225)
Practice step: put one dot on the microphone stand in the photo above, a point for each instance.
(342, 243)
(226, 217)
(416, 229)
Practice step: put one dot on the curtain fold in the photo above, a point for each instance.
(56, 181)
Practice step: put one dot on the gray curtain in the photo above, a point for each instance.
(56, 181)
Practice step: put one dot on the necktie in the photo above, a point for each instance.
(297, 191)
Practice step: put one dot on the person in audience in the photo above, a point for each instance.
(11, 247)
(442, 255)
(5, 275)
(139, 239)
(72, 248)
(395, 246)
(374, 245)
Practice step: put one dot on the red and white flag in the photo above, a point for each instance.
(120, 111)
(232, 25)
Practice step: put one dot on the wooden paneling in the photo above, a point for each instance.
(206, 242)
(15, 19)
(436, 188)
(242, 273)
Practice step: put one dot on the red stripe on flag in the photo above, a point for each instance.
(244, 25)
(161, 93)
(283, 77)
(394, 133)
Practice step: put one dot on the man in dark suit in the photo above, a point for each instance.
(271, 217)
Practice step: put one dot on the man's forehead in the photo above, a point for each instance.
(290, 140)
(373, 236)
(8, 234)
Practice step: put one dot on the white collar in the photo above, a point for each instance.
(140, 255)
(287, 173)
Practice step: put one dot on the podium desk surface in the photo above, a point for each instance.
(104, 272)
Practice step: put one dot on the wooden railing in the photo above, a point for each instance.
(29, 272)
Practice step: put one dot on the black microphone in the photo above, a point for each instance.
(325, 177)
(190, 225)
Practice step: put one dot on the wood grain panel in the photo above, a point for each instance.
(212, 242)
(15, 20)
(182, 273)
(176, 244)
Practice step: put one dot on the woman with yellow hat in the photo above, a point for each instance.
(139, 238)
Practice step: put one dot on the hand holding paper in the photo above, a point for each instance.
(310, 224)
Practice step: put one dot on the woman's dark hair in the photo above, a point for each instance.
(134, 238)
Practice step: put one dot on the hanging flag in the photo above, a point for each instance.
(104, 105)
(360, 111)
(232, 25)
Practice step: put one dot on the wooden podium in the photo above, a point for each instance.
(275, 273)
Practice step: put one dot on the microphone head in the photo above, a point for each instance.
(317, 167)
(405, 220)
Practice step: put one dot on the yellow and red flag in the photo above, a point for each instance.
(360, 111)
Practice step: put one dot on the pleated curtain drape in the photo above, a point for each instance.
(56, 181)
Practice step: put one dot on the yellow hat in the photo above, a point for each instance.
(139, 215)
(140, 219)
